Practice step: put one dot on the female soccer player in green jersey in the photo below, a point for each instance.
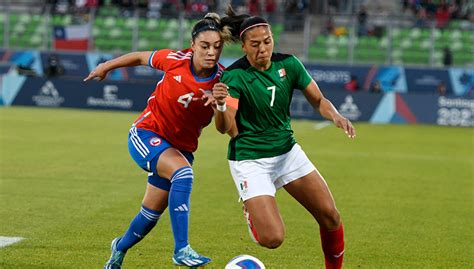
(263, 154)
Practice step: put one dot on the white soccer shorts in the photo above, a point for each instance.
(266, 175)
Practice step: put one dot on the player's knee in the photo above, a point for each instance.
(330, 220)
(271, 240)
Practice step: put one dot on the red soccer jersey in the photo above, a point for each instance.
(171, 111)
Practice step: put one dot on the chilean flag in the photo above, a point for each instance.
(72, 37)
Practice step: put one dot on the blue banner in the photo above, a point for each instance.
(355, 106)
(334, 77)
(428, 81)
(393, 108)
(72, 65)
(77, 94)
(360, 106)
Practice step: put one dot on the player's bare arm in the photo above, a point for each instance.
(315, 97)
(225, 116)
(129, 59)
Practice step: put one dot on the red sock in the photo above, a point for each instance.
(333, 247)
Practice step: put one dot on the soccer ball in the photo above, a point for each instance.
(245, 262)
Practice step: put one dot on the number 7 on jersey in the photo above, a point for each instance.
(272, 88)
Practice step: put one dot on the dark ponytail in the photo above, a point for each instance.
(234, 26)
(231, 24)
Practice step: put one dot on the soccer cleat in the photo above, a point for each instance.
(116, 258)
(190, 258)
(252, 231)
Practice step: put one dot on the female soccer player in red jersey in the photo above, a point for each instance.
(163, 138)
(263, 154)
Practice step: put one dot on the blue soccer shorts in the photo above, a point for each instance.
(145, 147)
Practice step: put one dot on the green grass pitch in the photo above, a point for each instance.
(69, 187)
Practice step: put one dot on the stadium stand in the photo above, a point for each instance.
(117, 29)
(404, 46)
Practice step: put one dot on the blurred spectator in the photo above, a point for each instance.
(270, 6)
(154, 8)
(454, 10)
(329, 25)
(61, 6)
(429, 6)
(442, 16)
(333, 6)
(239, 6)
(362, 21)
(447, 57)
(376, 87)
(441, 89)
(406, 6)
(199, 6)
(254, 7)
(421, 18)
(293, 18)
(53, 67)
(352, 85)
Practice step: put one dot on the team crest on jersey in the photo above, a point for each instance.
(155, 141)
(244, 186)
(282, 72)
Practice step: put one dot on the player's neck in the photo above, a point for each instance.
(202, 72)
(260, 67)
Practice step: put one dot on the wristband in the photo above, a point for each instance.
(222, 108)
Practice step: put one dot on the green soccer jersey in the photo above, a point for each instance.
(263, 116)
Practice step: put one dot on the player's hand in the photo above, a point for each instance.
(220, 93)
(346, 125)
(100, 72)
(206, 97)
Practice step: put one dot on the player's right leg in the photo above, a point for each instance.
(265, 222)
(256, 189)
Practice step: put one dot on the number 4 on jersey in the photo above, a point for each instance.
(186, 99)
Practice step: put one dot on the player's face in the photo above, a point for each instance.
(258, 45)
(207, 47)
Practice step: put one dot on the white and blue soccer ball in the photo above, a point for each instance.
(245, 262)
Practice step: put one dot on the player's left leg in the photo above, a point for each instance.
(301, 179)
(312, 192)
(154, 204)
(174, 165)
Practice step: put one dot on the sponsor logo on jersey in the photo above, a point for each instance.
(177, 78)
(48, 95)
(349, 109)
(155, 141)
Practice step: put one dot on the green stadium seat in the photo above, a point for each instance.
(320, 41)
(416, 57)
(463, 58)
(404, 33)
(342, 54)
(130, 23)
(120, 22)
(425, 33)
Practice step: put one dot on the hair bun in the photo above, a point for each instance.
(213, 16)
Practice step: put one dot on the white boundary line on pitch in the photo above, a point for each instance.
(6, 240)
(321, 125)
